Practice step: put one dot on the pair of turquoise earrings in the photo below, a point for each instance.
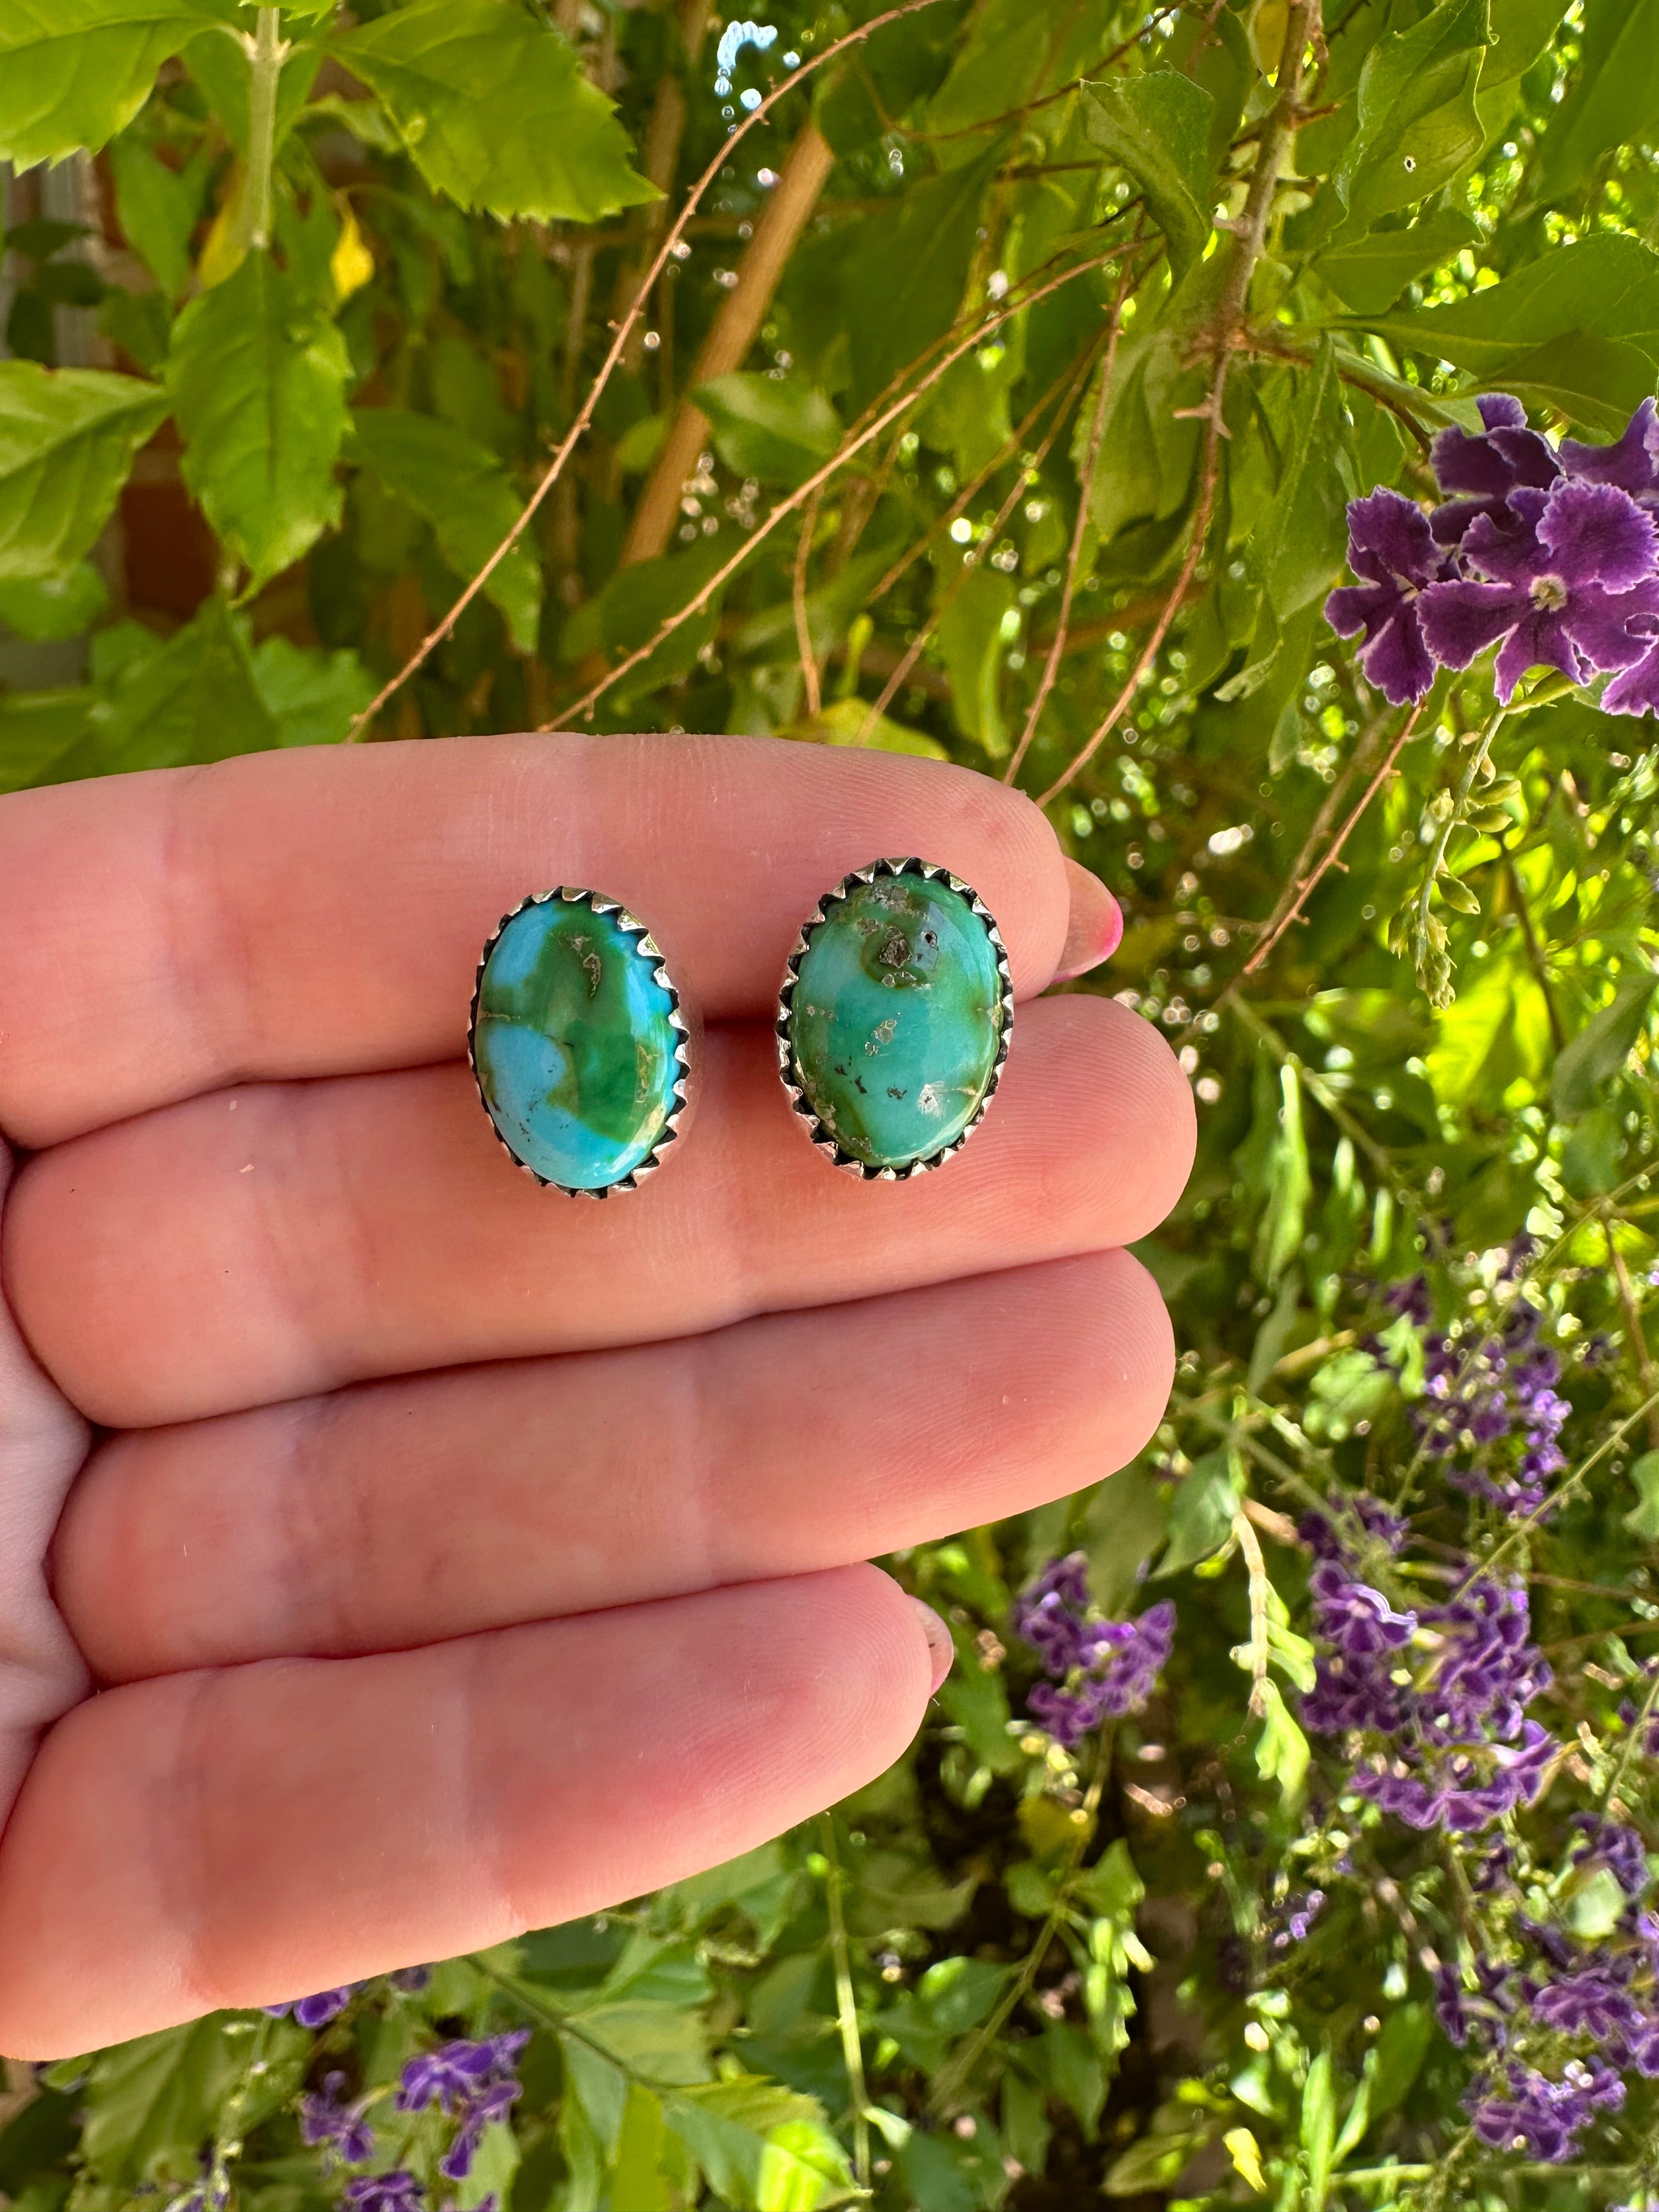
(892, 1029)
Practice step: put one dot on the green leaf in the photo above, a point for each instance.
(1612, 100)
(1304, 537)
(1369, 274)
(1521, 30)
(461, 488)
(73, 72)
(1407, 2033)
(1606, 287)
(495, 111)
(313, 697)
(152, 2105)
(1602, 1046)
(39, 732)
(1642, 1520)
(970, 638)
(637, 2182)
(903, 274)
(1416, 125)
(763, 2148)
(1156, 129)
(1318, 2129)
(156, 208)
(780, 429)
(67, 440)
(48, 607)
(1201, 1519)
(1282, 1753)
(256, 376)
(1290, 1185)
(195, 698)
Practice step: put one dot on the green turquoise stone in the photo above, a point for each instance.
(894, 1025)
(574, 1044)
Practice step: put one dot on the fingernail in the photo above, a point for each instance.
(939, 1645)
(1095, 929)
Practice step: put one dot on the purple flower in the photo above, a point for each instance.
(1487, 466)
(1101, 1668)
(1391, 547)
(1635, 691)
(326, 2119)
(1357, 1620)
(1560, 587)
(494, 2103)
(315, 2011)
(1488, 1670)
(1632, 465)
(397, 2191)
(1540, 2117)
(1621, 1849)
(454, 2075)
(1299, 1914)
(1591, 2003)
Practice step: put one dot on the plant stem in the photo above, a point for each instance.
(847, 2010)
(1635, 1334)
(266, 52)
(1437, 859)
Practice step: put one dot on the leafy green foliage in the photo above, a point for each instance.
(495, 109)
(67, 440)
(72, 72)
(257, 375)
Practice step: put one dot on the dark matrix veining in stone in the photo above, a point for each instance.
(576, 1043)
(895, 1022)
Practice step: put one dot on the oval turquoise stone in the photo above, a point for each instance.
(895, 1022)
(574, 1044)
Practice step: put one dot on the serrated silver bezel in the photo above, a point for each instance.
(597, 903)
(822, 1136)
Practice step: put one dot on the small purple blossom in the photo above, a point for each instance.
(1620, 1848)
(315, 2011)
(1559, 592)
(397, 2191)
(326, 2120)
(1099, 1669)
(1543, 2118)
(1391, 548)
(456, 2072)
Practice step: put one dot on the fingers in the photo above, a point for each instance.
(321, 912)
(402, 1513)
(42, 1443)
(285, 1240)
(243, 1837)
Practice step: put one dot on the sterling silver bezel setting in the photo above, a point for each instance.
(597, 903)
(821, 1135)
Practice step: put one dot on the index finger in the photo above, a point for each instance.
(321, 912)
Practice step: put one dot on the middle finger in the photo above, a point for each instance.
(284, 1239)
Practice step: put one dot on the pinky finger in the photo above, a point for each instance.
(245, 1835)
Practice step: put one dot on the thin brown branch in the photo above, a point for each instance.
(808, 659)
(797, 498)
(1023, 483)
(1535, 953)
(1249, 239)
(1635, 1334)
(1080, 529)
(1304, 890)
(580, 427)
(788, 208)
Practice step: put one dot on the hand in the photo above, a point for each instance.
(453, 1557)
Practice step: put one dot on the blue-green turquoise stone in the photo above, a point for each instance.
(575, 1046)
(896, 1021)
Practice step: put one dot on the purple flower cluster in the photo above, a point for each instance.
(1461, 1751)
(1099, 1669)
(1492, 1412)
(473, 2082)
(1524, 2110)
(1549, 552)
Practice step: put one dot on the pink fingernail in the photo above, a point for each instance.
(939, 1645)
(1095, 929)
